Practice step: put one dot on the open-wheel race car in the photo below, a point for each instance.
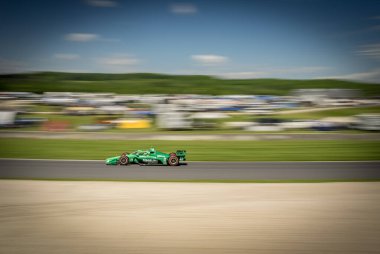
(148, 157)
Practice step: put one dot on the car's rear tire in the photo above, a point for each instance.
(173, 161)
(123, 160)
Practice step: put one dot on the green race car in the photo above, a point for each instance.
(148, 157)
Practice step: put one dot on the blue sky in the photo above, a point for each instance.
(298, 39)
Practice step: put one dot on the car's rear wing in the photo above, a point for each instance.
(181, 153)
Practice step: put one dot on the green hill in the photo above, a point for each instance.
(150, 83)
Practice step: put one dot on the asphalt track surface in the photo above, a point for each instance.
(97, 170)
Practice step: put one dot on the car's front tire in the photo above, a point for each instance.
(123, 160)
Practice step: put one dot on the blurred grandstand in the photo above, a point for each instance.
(303, 109)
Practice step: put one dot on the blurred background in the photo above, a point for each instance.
(302, 110)
(183, 68)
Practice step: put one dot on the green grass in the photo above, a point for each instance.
(274, 150)
(73, 120)
(148, 83)
(45, 108)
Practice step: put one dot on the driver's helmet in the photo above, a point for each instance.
(152, 150)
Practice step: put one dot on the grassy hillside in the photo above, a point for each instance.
(145, 83)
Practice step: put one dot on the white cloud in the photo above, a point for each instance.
(300, 70)
(372, 76)
(8, 66)
(272, 72)
(374, 28)
(118, 60)
(81, 37)
(62, 56)
(85, 37)
(183, 8)
(102, 3)
(370, 50)
(209, 59)
(117, 64)
(244, 75)
(358, 32)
